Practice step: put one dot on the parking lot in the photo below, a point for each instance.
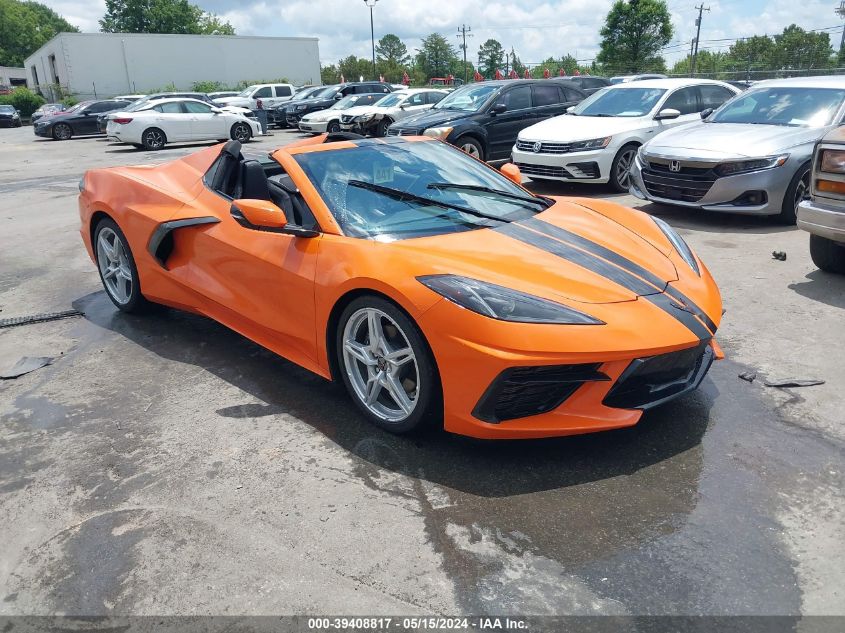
(163, 464)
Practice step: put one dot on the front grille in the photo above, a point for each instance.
(392, 131)
(683, 186)
(654, 380)
(542, 170)
(346, 118)
(545, 148)
(520, 392)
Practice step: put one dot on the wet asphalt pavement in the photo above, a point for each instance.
(165, 465)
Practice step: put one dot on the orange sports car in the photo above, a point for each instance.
(438, 289)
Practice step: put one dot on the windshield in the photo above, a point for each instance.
(391, 100)
(346, 102)
(791, 106)
(341, 177)
(325, 93)
(247, 91)
(6, 108)
(622, 102)
(305, 93)
(78, 107)
(468, 99)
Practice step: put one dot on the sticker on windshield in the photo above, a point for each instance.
(382, 173)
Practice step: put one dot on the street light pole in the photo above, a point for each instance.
(371, 4)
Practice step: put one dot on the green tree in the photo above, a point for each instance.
(436, 57)
(796, 48)
(491, 56)
(353, 68)
(633, 34)
(567, 62)
(329, 74)
(392, 57)
(24, 100)
(515, 63)
(25, 27)
(161, 16)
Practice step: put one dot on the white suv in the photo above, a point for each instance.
(271, 95)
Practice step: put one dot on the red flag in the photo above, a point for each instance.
(577, 73)
(513, 74)
(546, 74)
(561, 73)
(478, 76)
(498, 74)
(405, 79)
(527, 74)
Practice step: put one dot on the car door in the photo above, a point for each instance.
(280, 95)
(258, 283)
(173, 120)
(713, 96)
(549, 99)
(86, 121)
(206, 124)
(414, 103)
(685, 101)
(503, 127)
(265, 93)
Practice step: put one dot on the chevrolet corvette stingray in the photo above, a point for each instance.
(436, 288)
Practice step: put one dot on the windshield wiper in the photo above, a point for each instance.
(480, 189)
(404, 196)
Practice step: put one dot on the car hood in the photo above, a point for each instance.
(433, 118)
(567, 127)
(730, 140)
(356, 110)
(535, 267)
(325, 115)
(239, 101)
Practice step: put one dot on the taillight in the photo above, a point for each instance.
(122, 121)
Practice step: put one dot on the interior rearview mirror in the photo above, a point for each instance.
(258, 214)
(667, 113)
(498, 108)
(511, 172)
(706, 113)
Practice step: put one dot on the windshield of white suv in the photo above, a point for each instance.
(391, 100)
(781, 105)
(468, 98)
(621, 102)
(346, 102)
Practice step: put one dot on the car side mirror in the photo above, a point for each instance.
(570, 108)
(706, 113)
(511, 172)
(668, 113)
(499, 108)
(258, 214)
(338, 97)
(216, 111)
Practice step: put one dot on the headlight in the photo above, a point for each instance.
(596, 143)
(363, 118)
(502, 303)
(832, 161)
(438, 132)
(641, 156)
(301, 107)
(745, 166)
(678, 242)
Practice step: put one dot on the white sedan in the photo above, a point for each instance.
(179, 120)
(375, 119)
(328, 120)
(597, 140)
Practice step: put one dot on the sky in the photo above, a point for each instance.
(536, 29)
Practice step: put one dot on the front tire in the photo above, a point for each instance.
(333, 127)
(62, 132)
(471, 147)
(827, 255)
(620, 170)
(381, 130)
(798, 189)
(153, 139)
(387, 367)
(117, 267)
(241, 132)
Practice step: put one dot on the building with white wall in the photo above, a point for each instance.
(100, 65)
(11, 77)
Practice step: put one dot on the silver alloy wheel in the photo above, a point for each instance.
(62, 132)
(380, 364)
(242, 133)
(623, 167)
(154, 139)
(114, 266)
(471, 149)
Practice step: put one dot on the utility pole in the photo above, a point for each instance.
(701, 9)
(371, 4)
(464, 32)
(840, 11)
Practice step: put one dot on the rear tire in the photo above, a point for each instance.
(153, 139)
(62, 132)
(398, 361)
(828, 255)
(116, 266)
(798, 189)
(620, 170)
(241, 132)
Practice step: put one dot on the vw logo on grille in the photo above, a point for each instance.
(675, 166)
(537, 147)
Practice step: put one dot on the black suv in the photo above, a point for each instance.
(484, 118)
(587, 84)
(324, 98)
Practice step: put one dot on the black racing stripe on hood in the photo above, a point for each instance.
(623, 262)
(609, 271)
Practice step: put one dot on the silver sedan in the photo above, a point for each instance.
(750, 156)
